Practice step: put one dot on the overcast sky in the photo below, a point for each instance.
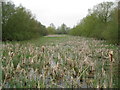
(57, 12)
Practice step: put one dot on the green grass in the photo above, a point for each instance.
(47, 40)
(39, 41)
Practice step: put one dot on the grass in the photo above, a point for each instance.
(39, 41)
(66, 61)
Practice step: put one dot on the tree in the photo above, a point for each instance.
(63, 29)
(19, 24)
(102, 22)
(51, 29)
(52, 25)
(112, 32)
(8, 9)
(103, 11)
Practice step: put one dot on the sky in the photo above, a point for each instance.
(69, 12)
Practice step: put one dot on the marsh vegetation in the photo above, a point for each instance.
(66, 61)
(35, 56)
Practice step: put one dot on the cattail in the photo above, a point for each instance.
(18, 68)
(12, 65)
(98, 86)
(32, 61)
(111, 67)
(111, 56)
(8, 77)
(55, 68)
(36, 70)
(104, 84)
(59, 56)
(70, 62)
(23, 71)
(38, 86)
(43, 49)
(12, 54)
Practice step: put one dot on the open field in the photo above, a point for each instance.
(59, 61)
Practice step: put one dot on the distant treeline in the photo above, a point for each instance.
(100, 23)
(19, 24)
(63, 29)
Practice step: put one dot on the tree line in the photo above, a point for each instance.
(19, 24)
(63, 29)
(100, 23)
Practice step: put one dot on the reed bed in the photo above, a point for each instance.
(73, 62)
